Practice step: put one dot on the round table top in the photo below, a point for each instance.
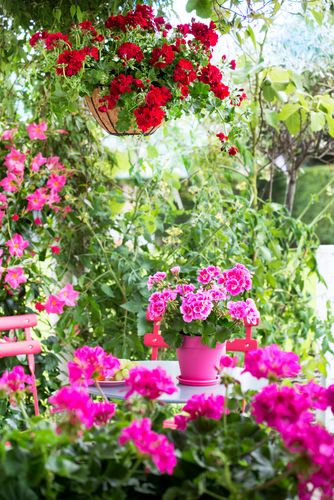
(184, 392)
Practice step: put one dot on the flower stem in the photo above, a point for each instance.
(24, 413)
(100, 390)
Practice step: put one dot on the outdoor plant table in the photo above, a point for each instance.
(184, 392)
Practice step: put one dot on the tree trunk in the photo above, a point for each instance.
(291, 190)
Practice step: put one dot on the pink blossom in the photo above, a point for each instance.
(217, 293)
(228, 362)
(54, 305)
(103, 412)
(11, 183)
(330, 397)
(14, 162)
(279, 407)
(271, 362)
(155, 278)
(149, 383)
(175, 270)
(37, 199)
(56, 182)
(37, 162)
(196, 306)
(37, 131)
(68, 295)
(208, 274)
(185, 289)
(15, 380)
(3, 200)
(53, 198)
(317, 394)
(236, 280)
(8, 135)
(148, 442)
(76, 403)
(15, 277)
(157, 305)
(91, 363)
(245, 310)
(16, 245)
(203, 405)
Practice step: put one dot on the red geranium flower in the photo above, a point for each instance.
(162, 57)
(233, 151)
(147, 117)
(130, 51)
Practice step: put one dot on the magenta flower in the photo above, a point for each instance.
(149, 383)
(37, 199)
(15, 277)
(228, 362)
(15, 380)
(54, 305)
(37, 131)
(271, 362)
(236, 280)
(16, 245)
(208, 274)
(76, 403)
(90, 364)
(103, 412)
(175, 270)
(155, 278)
(196, 306)
(330, 397)
(201, 405)
(37, 162)
(185, 289)
(317, 394)
(279, 407)
(11, 183)
(8, 135)
(14, 162)
(68, 295)
(244, 310)
(150, 443)
(56, 182)
(217, 293)
(158, 303)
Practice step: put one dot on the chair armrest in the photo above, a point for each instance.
(22, 347)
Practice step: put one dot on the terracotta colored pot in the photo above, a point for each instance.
(198, 362)
(108, 119)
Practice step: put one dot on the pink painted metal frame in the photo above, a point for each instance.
(28, 346)
(156, 341)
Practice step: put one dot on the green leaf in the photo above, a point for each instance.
(203, 8)
(73, 10)
(318, 16)
(271, 117)
(295, 121)
(317, 121)
(278, 75)
(330, 124)
(251, 35)
(79, 14)
(288, 110)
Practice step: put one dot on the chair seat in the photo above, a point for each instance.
(21, 347)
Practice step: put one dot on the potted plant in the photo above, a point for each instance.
(199, 318)
(136, 70)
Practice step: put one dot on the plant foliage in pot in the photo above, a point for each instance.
(136, 70)
(199, 318)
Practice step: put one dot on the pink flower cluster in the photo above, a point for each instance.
(55, 304)
(270, 362)
(150, 443)
(79, 408)
(236, 280)
(90, 364)
(208, 274)
(201, 405)
(228, 361)
(245, 310)
(155, 278)
(149, 383)
(14, 384)
(196, 306)
(158, 303)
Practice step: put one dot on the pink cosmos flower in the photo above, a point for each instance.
(103, 412)
(208, 274)
(56, 182)
(279, 407)
(175, 270)
(155, 278)
(228, 362)
(236, 280)
(68, 295)
(196, 306)
(76, 403)
(8, 135)
(37, 199)
(245, 310)
(54, 305)
(11, 183)
(149, 383)
(37, 131)
(14, 162)
(16, 245)
(15, 277)
(91, 363)
(271, 362)
(150, 443)
(37, 162)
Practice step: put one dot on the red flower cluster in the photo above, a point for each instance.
(184, 74)
(130, 51)
(142, 16)
(212, 76)
(73, 59)
(205, 34)
(50, 39)
(152, 114)
(121, 84)
(163, 56)
(87, 26)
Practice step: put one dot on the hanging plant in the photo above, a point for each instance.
(136, 70)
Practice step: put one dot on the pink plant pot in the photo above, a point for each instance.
(198, 362)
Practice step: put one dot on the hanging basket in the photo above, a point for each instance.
(108, 119)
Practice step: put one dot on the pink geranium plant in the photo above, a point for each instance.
(207, 307)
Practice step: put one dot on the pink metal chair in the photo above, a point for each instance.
(28, 346)
(156, 341)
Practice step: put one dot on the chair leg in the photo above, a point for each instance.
(31, 363)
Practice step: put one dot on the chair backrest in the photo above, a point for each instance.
(28, 346)
(156, 341)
